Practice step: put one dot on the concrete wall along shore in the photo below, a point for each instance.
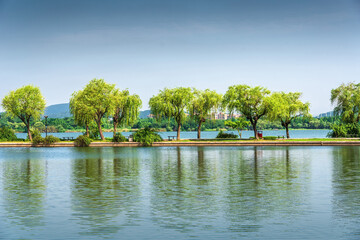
(193, 144)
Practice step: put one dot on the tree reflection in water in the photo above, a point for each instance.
(346, 187)
(105, 190)
(235, 189)
(24, 190)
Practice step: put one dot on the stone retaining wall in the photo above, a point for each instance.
(193, 144)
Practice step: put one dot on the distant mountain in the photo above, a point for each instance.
(144, 114)
(58, 111)
(62, 111)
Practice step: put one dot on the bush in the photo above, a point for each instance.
(51, 140)
(221, 134)
(38, 140)
(270, 138)
(147, 136)
(7, 134)
(46, 141)
(119, 138)
(82, 141)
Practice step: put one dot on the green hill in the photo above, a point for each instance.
(62, 111)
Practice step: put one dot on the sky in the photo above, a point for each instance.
(145, 46)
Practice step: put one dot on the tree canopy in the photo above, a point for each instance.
(96, 97)
(202, 104)
(346, 99)
(286, 107)
(82, 112)
(171, 103)
(125, 108)
(252, 102)
(25, 103)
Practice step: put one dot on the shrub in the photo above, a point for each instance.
(38, 140)
(50, 140)
(221, 134)
(147, 136)
(82, 141)
(7, 134)
(46, 141)
(119, 138)
(270, 138)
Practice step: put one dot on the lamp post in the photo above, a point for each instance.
(45, 125)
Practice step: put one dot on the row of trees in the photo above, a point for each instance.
(346, 99)
(253, 103)
(99, 100)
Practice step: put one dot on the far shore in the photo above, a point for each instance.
(204, 143)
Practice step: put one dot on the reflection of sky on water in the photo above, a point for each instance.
(180, 192)
(210, 134)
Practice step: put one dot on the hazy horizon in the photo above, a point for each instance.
(145, 46)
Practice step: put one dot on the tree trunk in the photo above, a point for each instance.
(239, 133)
(255, 130)
(100, 130)
(178, 131)
(115, 125)
(28, 131)
(199, 130)
(87, 130)
(287, 130)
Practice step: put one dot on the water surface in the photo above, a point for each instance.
(180, 193)
(319, 133)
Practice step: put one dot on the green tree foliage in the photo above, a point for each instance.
(202, 103)
(7, 134)
(96, 97)
(171, 103)
(118, 137)
(82, 141)
(25, 103)
(286, 107)
(346, 99)
(125, 108)
(239, 124)
(221, 134)
(252, 102)
(147, 136)
(82, 111)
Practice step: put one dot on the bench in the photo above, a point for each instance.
(171, 138)
(283, 137)
(67, 138)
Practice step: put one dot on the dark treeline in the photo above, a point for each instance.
(68, 124)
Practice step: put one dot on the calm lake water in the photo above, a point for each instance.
(180, 193)
(211, 134)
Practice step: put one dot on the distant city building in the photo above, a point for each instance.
(224, 116)
(327, 114)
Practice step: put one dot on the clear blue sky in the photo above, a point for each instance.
(308, 46)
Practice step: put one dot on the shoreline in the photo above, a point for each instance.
(193, 143)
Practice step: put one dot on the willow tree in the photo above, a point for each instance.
(201, 106)
(171, 103)
(286, 107)
(96, 97)
(83, 114)
(239, 124)
(25, 103)
(346, 99)
(251, 102)
(125, 108)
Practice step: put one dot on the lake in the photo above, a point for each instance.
(180, 193)
(321, 133)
